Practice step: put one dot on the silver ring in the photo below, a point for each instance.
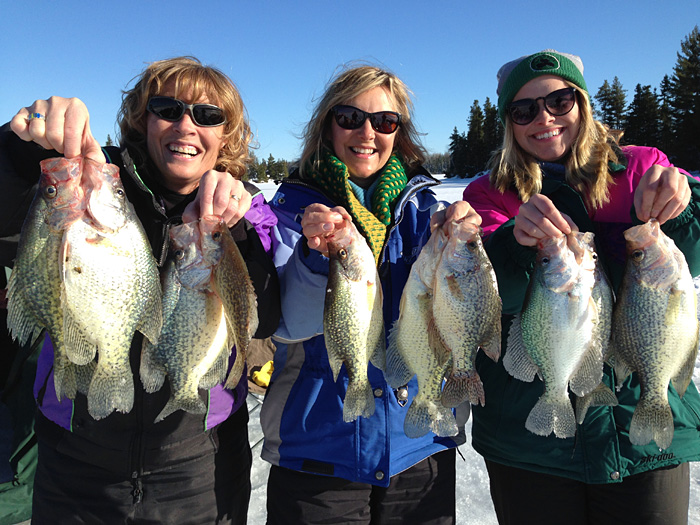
(236, 197)
(32, 116)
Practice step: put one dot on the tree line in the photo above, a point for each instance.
(667, 118)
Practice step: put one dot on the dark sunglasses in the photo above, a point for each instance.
(172, 110)
(350, 117)
(557, 103)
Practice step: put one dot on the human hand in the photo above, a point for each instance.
(65, 127)
(320, 222)
(539, 218)
(219, 194)
(460, 211)
(662, 193)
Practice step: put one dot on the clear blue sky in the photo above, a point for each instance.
(281, 53)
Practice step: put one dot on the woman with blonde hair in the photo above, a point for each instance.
(361, 161)
(558, 171)
(183, 150)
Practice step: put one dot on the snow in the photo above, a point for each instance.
(473, 498)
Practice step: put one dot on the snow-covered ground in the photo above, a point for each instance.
(473, 499)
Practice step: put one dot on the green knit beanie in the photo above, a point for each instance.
(516, 73)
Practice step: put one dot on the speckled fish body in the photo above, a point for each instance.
(353, 324)
(410, 352)
(655, 329)
(111, 287)
(557, 335)
(35, 287)
(466, 312)
(197, 336)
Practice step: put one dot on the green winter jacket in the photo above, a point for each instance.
(601, 451)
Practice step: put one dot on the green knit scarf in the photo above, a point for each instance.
(332, 177)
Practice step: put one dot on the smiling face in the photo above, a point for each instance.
(363, 150)
(182, 151)
(547, 138)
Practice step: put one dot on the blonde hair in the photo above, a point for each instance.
(349, 84)
(195, 80)
(586, 165)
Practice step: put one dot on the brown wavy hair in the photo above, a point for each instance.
(348, 84)
(193, 78)
(586, 165)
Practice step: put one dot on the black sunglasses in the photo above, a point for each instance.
(557, 103)
(172, 110)
(350, 117)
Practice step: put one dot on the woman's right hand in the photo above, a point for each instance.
(319, 222)
(66, 127)
(539, 218)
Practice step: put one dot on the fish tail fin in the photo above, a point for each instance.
(110, 389)
(552, 415)
(191, 404)
(234, 376)
(423, 416)
(652, 419)
(151, 371)
(359, 401)
(462, 385)
(599, 396)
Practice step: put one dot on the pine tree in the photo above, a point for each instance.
(493, 129)
(457, 150)
(618, 103)
(685, 100)
(475, 155)
(666, 141)
(642, 127)
(109, 142)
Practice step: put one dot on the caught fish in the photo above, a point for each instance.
(557, 335)
(466, 312)
(200, 325)
(111, 288)
(410, 352)
(35, 286)
(655, 329)
(353, 324)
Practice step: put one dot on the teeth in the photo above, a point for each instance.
(548, 135)
(187, 150)
(363, 151)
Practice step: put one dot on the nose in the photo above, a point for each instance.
(186, 123)
(542, 114)
(366, 131)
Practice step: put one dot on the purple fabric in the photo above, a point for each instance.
(60, 413)
(260, 215)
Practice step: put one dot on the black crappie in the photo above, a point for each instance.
(35, 286)
(111, 287)
(204, 314)
(655, 329)
(558, 333)
(466, 312)
(353, 324)
(409, 350)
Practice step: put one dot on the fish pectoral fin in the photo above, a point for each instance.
(589, 372)
(685, 374)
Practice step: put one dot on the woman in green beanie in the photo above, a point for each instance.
(361, 159)
(559, 170)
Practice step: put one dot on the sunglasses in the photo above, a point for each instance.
(350, 117)
(172, 110)
(557, 103)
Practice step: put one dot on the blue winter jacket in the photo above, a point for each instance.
(302, 414)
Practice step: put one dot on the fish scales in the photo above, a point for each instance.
(466, 312)
(353, 322)
(655, 329)
(410, 353)
(111, 286)
(557, 335)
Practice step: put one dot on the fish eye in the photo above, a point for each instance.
(545, 260)
(50, 192)
(342, 253)
(638, 255)
(120, 192)
(179, 254)
(472, 245)
(216, 236)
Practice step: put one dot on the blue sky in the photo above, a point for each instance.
(282, 53)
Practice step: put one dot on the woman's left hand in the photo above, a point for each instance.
(457, 211)
(663, 193)
(219, 194)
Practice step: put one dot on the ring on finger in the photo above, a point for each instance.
(33, 116)
(235, 197)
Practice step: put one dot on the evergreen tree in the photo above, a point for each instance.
(261, 172)
(612, 104)
(685, 100)
(273, 169)
(642, 127)
(475, 155)
(109, 142)
(457, 150)
(666, 140)
(493, 129)
(438, 163)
